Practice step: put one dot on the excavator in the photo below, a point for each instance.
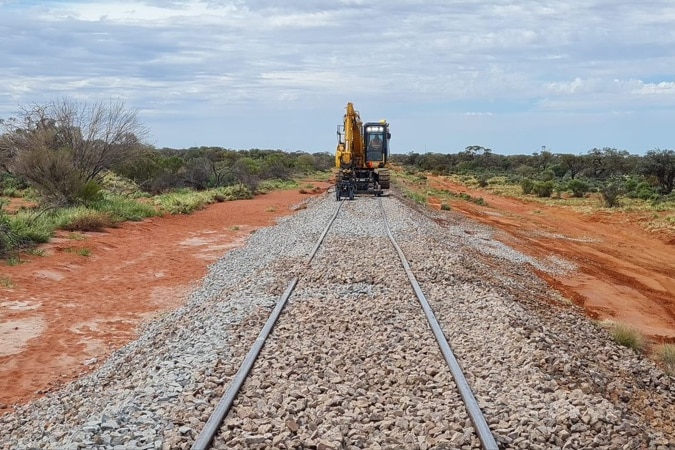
(361, 156)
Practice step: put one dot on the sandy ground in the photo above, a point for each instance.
(64, 313)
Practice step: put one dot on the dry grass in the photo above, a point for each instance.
(666, 354)
(625, 335)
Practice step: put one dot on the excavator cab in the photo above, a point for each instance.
(376, 138)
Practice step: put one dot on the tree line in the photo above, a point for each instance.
(63, 148)
(653, 173)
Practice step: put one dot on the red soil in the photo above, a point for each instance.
(62, 314)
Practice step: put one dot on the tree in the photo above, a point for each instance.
(543, 159)
(64, 145)
(247, 172)
(608, 162)
(573, 163)
(661, 164)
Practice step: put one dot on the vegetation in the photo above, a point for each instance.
(666, 354)
(626, 335)
(85, 167)
(605, 177)
(6, 282)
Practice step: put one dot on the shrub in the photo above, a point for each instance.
(89, 192)
(271, 185)
(445, 207)
(547, 175)
(611, 193)
(10, 240)
(183, 202)
(527, 185)
(236, 192)
(484, 180)
(543, 188)
(85, 219)
(578, 187)
(122, 208)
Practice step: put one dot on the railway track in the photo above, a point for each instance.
(352, 356)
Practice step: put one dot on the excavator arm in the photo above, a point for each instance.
(350, 143)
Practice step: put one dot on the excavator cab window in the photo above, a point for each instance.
(375, 149)
(376, 143)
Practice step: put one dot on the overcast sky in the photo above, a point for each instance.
(511, 75)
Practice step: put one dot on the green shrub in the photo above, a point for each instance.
(30, 227)
(543, 188)
(183, 202)
(578, 187)
(85, 219)
(611, 193)
(547, 175)
(445, 207)
(273, 185)
(527, 185)
(89, 192)
(484, 180)
(120, 186)
(122, 208)
(236, 192)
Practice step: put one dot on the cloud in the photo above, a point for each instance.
(200, 57)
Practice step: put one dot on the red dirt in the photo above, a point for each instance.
(64, 313)
(625, 273)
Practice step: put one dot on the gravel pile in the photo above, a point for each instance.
(352, 363)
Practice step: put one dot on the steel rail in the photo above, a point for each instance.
(203, 440)
(475, 414)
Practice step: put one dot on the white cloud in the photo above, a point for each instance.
(506, 57)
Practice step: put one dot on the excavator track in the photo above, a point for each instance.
(383, 178)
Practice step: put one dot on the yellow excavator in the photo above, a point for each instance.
(361, 156)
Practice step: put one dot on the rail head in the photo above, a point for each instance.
(473, 409)
(206, 435)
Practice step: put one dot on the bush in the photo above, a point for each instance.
(183, 202)
(276, 184)
(484, 180)
(527, 185)
(122, 208)
(547, 175)
(85, 219)
(90, 192)
(236, 192)
(611, 193)
(445, 207)
(543, 188)
(578, 187)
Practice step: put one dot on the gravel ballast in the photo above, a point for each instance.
(353, 364)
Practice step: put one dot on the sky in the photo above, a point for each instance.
(515, 76)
